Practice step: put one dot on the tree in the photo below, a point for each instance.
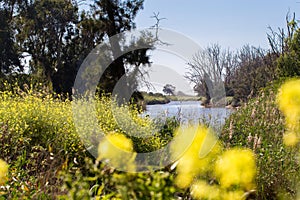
(169, 89)
(45, 28)
(117, 16)
(207, 70)
(9, 56)
(58, 38)
(288, 63)
(254, 69)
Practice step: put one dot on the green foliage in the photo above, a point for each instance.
(44, 21)
(288, 64)
(259, 125)
(100, 182)
(154, 98)
(8, 55)
(56, 37)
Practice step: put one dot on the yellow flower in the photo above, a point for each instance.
(289, 104)
(233, 195)
(194, 148)
(117, 149)
(201, 190)
(120, 141)
(183, 180)
(290, 139)
(3, 171)
(289, 98)
(236, 167)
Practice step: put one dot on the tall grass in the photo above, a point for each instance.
(259, 125)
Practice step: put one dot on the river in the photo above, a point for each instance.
(189, 111)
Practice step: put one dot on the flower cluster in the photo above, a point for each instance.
(3, 171)
(189, 145)
(289, 103)
(236, 166)
(118, 151)
(210, 172)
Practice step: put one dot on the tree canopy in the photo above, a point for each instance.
(56, 37)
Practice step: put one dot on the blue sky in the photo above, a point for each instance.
(231, 23)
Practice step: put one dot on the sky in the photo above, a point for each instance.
(230, 23)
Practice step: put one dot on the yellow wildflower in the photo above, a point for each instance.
(289, 98)
(195, 147)
(117, 149)
(236, 167)
(289, 104)
(3, 171)
(201, 190)
(120, 141)
(183, 180)
(233, 195)
(290, 139)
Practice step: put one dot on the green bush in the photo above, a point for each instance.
(288, 64)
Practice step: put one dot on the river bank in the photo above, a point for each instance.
(158, 98)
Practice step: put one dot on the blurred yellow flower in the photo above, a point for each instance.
(233, 195)
(202, 190)
(195, 147)
(289, 103)
(117, 149)
(289, 98)
(120, 141)
(183, 180)
(3, 171)
(236, 167)
(290, 139)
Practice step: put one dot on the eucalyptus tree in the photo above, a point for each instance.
(9, 54)
(45, 28)
(115, 17)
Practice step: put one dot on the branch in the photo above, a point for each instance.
(156, 26)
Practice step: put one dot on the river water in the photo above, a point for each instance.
(189, 111)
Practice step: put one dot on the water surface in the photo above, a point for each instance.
(188, 111)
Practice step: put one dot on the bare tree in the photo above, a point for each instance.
(255, 68)
(208, 69)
